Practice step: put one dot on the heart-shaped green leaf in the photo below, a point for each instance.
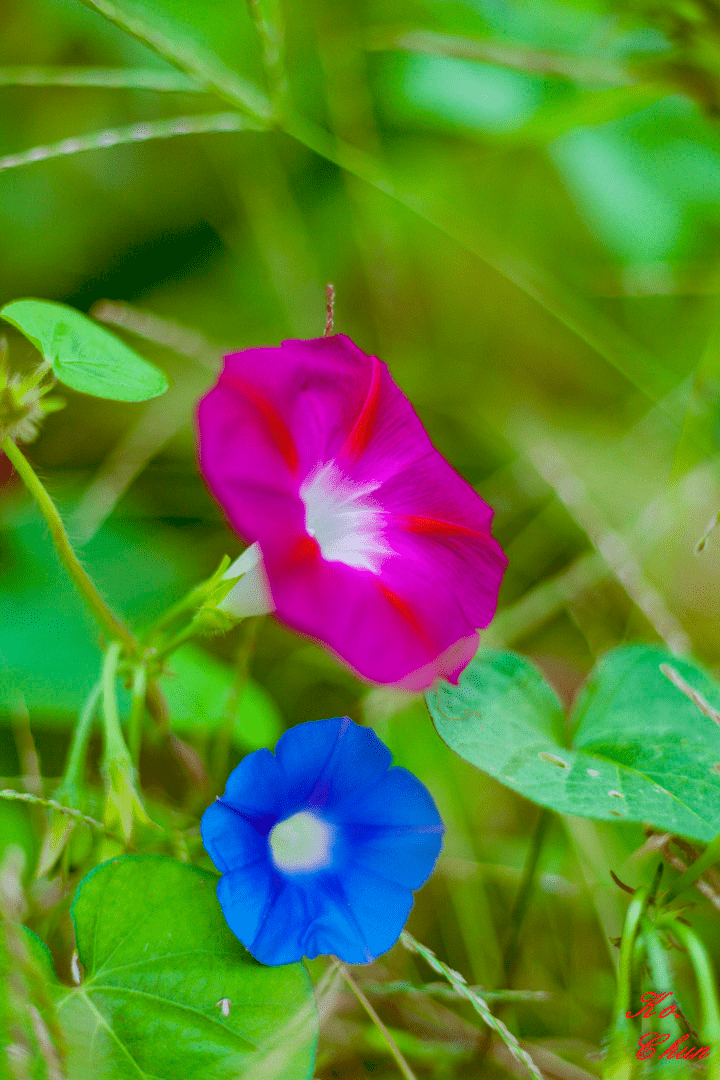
(84, 355)
(641, 749)
(169, 993)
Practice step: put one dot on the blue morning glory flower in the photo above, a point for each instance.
(321, 845)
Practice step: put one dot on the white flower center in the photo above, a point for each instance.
(301, 842)
(345, 522)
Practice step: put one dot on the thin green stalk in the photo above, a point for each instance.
(137, 713)
(620, 1060)
(115, 746)
(122, 802)
(72, 780)
(391, 1044)
(709, 857)
(708, 991)
(207, 621)
(186, 634)
(111, 626)
(527, 883)
(627, 951)
(661, 981)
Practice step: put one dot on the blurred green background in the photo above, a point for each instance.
(526, 229)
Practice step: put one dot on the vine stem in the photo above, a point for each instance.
(391, 1044)
(112, 627)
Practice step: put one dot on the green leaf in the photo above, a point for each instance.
(201, 693)
(159, 960)
(84, 355)
(642, 750)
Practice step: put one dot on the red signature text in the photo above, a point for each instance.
(655, 1040)
(647, 1044)
(650, 1000)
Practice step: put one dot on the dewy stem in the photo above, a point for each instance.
(112, 627)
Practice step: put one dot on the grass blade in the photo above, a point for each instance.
(143, 132)
(478, 1003)
(112, 78)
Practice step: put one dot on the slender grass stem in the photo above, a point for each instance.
(391, 1044)
(480, 1006)
(68, 811)
(707, 988)
(525, 889)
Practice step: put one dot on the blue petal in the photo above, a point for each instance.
(326, 761)
(257, 789)
(362, 916)
(393, 830)
(282, 924)
(244, 896)
(230, 840)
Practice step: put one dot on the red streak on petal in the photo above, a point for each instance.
(304, 551)
(426, 526)
(359, 437)
(405, 611)
(278, 429)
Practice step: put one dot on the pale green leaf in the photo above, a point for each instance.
(84, 355)
(642, 750)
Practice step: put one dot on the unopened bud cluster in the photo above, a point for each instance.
(23, 403)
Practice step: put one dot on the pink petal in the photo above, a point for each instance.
(400, 594)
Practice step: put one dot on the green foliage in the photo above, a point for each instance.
(202, 694)
(639, 748)
(158, 961)
(84, 355)
(48, 644)
(519, 207)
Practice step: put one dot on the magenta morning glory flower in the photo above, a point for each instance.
(363, 536)
(321, 845)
